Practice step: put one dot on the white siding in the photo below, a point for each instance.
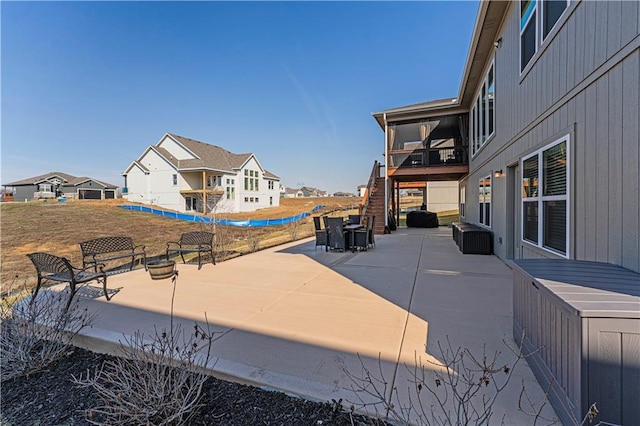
(177, 150)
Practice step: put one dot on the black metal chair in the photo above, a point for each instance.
(193, 242)
(354, 219)
(361, 236)
(321, 234)
(371, 240)
(58, 269)
(336, 233)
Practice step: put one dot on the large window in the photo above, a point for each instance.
(545, 197)
(482, 114)
(251, 180)
(484, 200)
(537, 17)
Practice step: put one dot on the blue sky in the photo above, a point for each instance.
(87, 86)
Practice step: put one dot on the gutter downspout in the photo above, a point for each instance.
(386, 174)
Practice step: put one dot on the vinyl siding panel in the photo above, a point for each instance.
(615, 165)
(601, 148)
(630, 11)
(630, 212)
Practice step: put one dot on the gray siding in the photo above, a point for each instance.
(21, 193)
(584, 80)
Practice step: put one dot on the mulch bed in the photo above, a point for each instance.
(50, 398)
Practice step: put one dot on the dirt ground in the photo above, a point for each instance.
(57, 228)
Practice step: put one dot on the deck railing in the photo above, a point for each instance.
(375, 173)
(429, 157)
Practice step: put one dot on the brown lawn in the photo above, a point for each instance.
(58, 228)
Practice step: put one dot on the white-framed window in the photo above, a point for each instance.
(45, 187)
(537, 19)
(270, 201)
(231, 193)
(251, 180)
(463, 197)
(484, 201)
(246, 199)
(191, 203)
(270, 184)
(545, 197)
(174, 177)
(483, 121)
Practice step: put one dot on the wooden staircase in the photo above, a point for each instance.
(373, 200)
(376, 206)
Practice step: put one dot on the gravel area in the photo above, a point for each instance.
(50, 398)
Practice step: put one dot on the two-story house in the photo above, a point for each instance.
(543, 138)
(543, 135)
(186, 175)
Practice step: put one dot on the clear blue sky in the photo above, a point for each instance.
(87, 86)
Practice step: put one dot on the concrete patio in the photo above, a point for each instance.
(296, 319)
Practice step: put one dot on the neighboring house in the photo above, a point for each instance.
(543, 135)
(56, 184)
(293, 193)
(186, 175)
(308, 191)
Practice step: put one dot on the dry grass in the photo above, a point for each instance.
(58, 228)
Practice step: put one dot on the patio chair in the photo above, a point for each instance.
(193, 242)
(361, 236)
(336, 233)
(58, 269)
(354, 219)
(372, 229)
(321, 234)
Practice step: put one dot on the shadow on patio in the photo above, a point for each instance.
(295, 319)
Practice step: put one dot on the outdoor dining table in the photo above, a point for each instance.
(352, 230)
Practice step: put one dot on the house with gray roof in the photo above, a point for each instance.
(187, 175)
(56, 184)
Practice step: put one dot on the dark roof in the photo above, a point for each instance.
(33, 180)
(209, 156)
(67, 180)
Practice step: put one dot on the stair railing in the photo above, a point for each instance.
(368, 191)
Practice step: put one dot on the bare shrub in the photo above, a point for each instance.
(460, 390)
(36, 331)
(157, 380)
(293, 228)
(253, 240)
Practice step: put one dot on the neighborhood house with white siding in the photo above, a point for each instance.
(186, 175)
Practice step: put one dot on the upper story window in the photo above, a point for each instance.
(175, 179)
(545, 196)
(482, 113)
(270, 184)
(251, 180)
(537, 17)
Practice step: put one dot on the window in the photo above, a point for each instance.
(246, 199)
(551, 12)
(231, 193)
(251, 180)
(463, 196)
(482, 114)
(190, 203)
(537, 17)
(545, 213)
(270, 201)
(484, 199)
(270, 184)
(175, 179)
(45, 187)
